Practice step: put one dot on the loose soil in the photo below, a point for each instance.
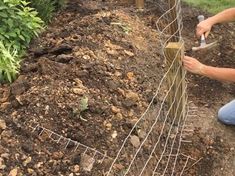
(109, 54)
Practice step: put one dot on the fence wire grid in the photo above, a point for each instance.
(161, 134)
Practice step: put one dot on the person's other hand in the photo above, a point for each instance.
(204, 27)
(193, 65)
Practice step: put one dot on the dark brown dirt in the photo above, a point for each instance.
(110, 55)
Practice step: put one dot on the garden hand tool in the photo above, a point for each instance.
(203, 44)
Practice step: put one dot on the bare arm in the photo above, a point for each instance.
(227, 15)
(222, 74)
(205, 26)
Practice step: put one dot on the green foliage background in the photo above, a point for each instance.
(212, 6)
(20, 22)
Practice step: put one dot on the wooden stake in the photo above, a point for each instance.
(172, 17)
(174, 50)
(139, 4)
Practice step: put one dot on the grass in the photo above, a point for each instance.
(212, 6)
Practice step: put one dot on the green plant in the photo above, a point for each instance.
(19, 24)
(9, 63)
(45, 12)
(59, 3)
(83, 106)
(212, 6)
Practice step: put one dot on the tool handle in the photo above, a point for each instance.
(203, 39)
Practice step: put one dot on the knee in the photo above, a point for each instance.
(223, 116)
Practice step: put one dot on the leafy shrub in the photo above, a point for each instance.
(9, 63)
(19, 24)
(46, 8)
(59, 3)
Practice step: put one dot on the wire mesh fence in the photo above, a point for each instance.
(153, 146)
(160, 130)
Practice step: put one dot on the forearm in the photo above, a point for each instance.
(227, 15)
(222, 74)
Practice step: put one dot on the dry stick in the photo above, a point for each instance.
(194, 164)
(151, 127)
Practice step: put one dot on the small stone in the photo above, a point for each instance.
(119, 116)
(79, 91)
(129, 53)
(119, 166)
(30, 171)
(114, 134)
(13, 172)
(5, 155)
(130, 75)
(108, 126)
(64, 58)
(115, 109)
(141, 134)
(2, 166)
(232, 149)
(3, 125)
(86, 57)
(135, 141)
(39, 165)
(5, 106)
(87, 162)
(121, 91)
(132, 96)
(76, 168)
(27, 161)
(71, 174)
(57, 155)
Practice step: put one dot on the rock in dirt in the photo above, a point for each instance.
(39, 51)
(135, 141)
(115, 110)
(27, 161)
(132, 96)
(76, 168)
(87, 162)
(5, 106)
(62, 49)
(129, 53)
(3, 125)
(57, 155)
(13, 172)
(79, 91)
(64, 58)
(4, 95)
(19, 86)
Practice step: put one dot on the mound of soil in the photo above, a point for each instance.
(88, 78)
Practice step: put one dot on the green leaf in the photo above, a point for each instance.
(83, 104)
(4, 15)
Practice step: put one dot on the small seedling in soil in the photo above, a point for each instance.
(126, 29)
(83, 106)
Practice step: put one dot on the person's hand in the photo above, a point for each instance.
(193, 65)
(204, 27)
